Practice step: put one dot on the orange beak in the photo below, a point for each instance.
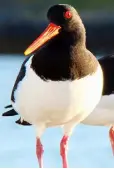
(51, 31)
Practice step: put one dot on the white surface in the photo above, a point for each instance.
(88, 146)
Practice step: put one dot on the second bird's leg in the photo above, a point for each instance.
(111, 135)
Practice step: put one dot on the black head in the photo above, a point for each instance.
(65, 16)
(65, 22)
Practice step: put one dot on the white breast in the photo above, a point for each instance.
(56, 102)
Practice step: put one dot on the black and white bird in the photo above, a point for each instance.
(61, 83)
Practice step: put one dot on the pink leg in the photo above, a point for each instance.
(39, 152)
(111, 135)
(63, 150)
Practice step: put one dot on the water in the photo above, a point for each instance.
(89, 146)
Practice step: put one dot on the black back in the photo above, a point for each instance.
(107, 64)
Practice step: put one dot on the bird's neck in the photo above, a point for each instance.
(64, 57)
(75, 38)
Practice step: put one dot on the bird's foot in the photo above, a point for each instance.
(63, 150)
(111, 135)
(39, 152)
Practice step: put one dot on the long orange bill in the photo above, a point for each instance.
(51, 31)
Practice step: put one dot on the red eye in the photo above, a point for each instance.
(68, 14)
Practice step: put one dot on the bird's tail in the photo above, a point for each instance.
(12, 112)
(8, 106)
(22, 122)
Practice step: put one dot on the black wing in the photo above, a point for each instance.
(107, 64)
(19, 78)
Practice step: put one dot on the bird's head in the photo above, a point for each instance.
(62, 18)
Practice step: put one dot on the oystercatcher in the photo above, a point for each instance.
(61, 83)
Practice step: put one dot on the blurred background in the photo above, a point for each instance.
(21, 21)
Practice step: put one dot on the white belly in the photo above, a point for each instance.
(56, 103)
